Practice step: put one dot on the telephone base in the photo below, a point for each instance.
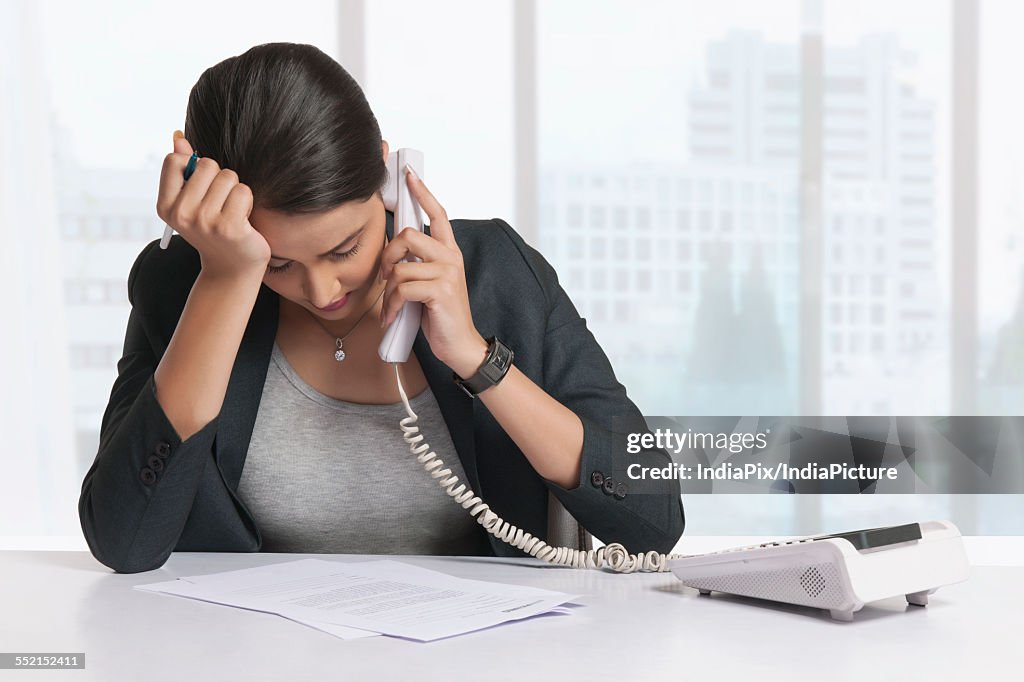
(919, 598)
(839, 573)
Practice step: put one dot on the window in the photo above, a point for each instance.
(621, 248)
(643, 218)
(574, 216)
(683, 219)
(621, 218)
(643, 249)
(683, 282)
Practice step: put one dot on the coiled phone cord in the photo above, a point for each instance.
(613, 556)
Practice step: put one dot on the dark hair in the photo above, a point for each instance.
(292, 123)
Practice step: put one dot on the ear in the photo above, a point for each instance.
(384, 149)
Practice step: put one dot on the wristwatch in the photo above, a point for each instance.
(492, 371)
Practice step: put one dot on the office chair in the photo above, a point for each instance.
(564, 530)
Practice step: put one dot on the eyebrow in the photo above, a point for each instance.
(329, 251)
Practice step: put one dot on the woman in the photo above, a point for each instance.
(235, 425)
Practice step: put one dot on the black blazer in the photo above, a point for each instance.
(148, 494)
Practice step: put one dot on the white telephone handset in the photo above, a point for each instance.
(401, 333)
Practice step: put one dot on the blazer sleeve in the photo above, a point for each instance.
(579, 375)
(137, 495)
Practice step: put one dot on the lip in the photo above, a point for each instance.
(335, 306)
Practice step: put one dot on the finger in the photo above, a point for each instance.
(239, 200)
(219, 190)
(172, 175)
(440, 228)
(409, 272)
(181, 145)
(195, 189)
(172, 167)
(419, 290)
(412, 242)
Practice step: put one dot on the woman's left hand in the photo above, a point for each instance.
(439, 282)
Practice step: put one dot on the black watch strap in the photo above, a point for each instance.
(493, 370)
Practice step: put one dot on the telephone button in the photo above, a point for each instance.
(147, 476)
(609, 485)
(620, 491)
(597, 479)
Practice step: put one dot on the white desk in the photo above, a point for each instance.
(633, 627)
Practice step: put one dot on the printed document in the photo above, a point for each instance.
(351, 600)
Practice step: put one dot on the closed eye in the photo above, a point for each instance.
(335, 255)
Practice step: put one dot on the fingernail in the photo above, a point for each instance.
(177, 135)
(411, 172)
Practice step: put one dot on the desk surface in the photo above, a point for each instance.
(640, 626)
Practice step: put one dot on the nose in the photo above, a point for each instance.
(322, 290)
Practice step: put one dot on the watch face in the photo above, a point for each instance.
(504, 358)
(499, 363)
(499, 359)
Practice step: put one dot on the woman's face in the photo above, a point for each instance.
(320, 259)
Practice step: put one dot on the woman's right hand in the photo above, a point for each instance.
(211, 212)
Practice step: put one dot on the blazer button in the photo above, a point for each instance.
(155, 463)
(147, 476)
(620, 491)
(609, 486)
(597, 479)
(162, 450)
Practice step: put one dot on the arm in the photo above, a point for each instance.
(581, 387)
(548, 433)
(193, 374)
(137, 495)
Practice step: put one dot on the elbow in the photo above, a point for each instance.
(124, 562)
(109, 545)
(662, 537)
(134, 565)
(678, 524)
(127, 561)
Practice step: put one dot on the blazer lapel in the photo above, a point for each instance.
(245, 388)
(249, 373)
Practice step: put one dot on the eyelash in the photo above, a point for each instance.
(337, 255)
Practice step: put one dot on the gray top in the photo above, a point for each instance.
(328, 476)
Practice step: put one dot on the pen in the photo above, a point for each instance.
(189, 169)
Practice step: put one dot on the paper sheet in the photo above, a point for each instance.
(172, 588)
(383, 596)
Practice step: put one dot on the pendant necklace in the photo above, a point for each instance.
(339, 352)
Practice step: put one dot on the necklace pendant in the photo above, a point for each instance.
(339, 354)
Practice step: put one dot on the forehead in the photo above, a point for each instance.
(309, 234)
(271, 223)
